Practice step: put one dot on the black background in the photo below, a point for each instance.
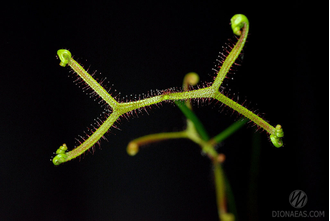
(143, 45)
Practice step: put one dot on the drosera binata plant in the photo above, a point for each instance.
(194, 131)
(240, 26)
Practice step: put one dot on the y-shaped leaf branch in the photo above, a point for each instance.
(240, 26)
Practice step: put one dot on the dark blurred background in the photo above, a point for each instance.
(143, 45)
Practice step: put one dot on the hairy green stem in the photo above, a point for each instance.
(245, 112)
(240, 26)
(238, 22)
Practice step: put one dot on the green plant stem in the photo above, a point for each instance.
(230, 197)
(191, 116)
(219, 187)
(151, 138)
(228, 131)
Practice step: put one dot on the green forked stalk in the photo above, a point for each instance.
(240, 26)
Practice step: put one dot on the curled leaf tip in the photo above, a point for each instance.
(237, 23)
(61, 155)
(191, 78)
(132, 148)
(65, 56)
(276, 138)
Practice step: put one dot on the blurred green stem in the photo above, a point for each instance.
(228, 131)
(191, 116)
